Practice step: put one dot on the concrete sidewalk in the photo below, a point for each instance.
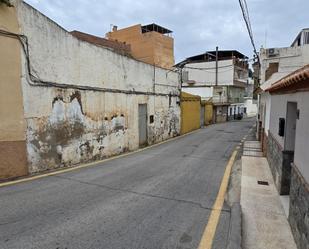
(264, 222)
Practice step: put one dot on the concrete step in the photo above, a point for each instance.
(252, 144)
(253, 153)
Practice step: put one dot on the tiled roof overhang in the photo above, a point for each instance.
(295, 81)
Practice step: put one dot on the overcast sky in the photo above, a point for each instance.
(197, 25)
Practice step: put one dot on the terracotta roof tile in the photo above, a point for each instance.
(295, 79)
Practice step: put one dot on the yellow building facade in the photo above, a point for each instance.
(13, 159)
(190, 112)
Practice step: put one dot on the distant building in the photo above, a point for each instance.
(250, 104)
(302, 38)
(151, 43)
(227, 94)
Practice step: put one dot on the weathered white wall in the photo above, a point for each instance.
(206, 73)
(278, 109)
(289, 59)
(69, 126)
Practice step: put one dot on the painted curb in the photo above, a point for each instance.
(235, 227)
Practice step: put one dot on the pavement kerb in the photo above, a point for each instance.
(235, 231)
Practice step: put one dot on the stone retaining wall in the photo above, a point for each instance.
(280, 164)
(299, 209)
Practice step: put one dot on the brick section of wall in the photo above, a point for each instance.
(118, 47)
(280, 164)
(273, 68)
(299, 209)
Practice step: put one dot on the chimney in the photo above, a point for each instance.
(115, 28)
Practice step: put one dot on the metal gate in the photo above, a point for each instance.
(142, 124)
(202, 116)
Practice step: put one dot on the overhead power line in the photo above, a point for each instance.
(33, 79)
(245, 14)
(207, 68)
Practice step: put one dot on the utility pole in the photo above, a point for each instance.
(217, 66)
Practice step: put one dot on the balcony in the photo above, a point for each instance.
(216, 99)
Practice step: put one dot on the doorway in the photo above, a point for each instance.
(142, 124)
(202, 116)
(290, 129)
(288, 153)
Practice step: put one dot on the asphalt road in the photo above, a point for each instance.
(157, 198)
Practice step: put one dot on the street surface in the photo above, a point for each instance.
(160, 197)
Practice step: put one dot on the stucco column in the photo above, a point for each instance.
(13, 159)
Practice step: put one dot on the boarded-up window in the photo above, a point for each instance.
(272, 68)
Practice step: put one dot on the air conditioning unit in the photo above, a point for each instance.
(272, 52)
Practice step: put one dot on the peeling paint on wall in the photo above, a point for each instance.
(166, 124)
(67, 136)
(72, 134)
(73, 125)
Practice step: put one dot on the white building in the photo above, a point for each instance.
(225, 87)
(250, 104)
(275, 64)
(288, 147)
(283, 126)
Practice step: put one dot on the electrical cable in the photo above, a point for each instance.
(207, 68)
(245, 13)
(34, 80)
(230, 69)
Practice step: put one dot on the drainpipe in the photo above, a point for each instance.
(217, 66)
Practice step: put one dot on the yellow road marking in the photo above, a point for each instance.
(95, 163)
(210, 230)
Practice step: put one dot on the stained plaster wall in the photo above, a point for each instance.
(69, 126)
(13, 159)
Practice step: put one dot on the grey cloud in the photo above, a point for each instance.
(198, 25)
